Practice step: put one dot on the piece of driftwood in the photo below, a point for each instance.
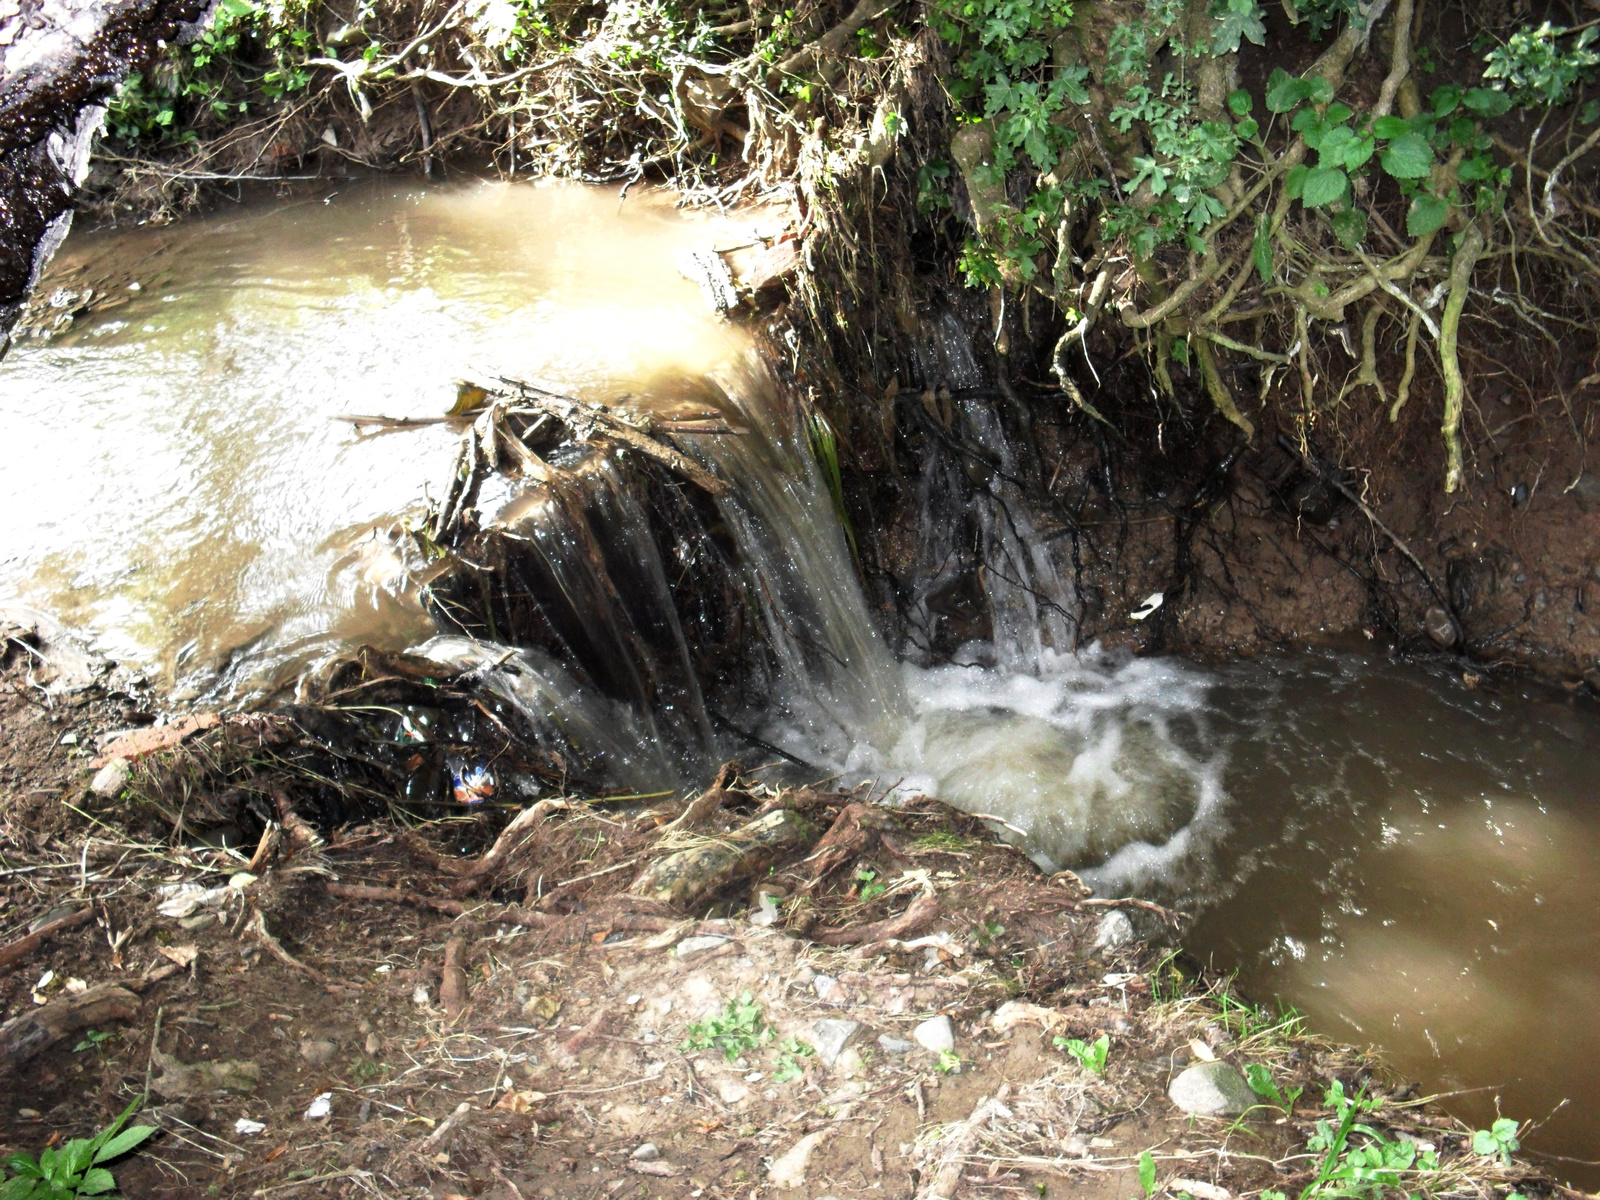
(15, 952)
(480, 870)
(855, 833)
(35, 1031)
(453, 981)
(687, 877)
(597, 421)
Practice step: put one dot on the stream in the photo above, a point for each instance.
(1412, 862)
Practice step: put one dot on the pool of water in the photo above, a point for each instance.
(175, 483)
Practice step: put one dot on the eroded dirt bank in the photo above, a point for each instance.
(890, 1003)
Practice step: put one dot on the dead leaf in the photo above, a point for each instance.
(184, 956)
(1201, 1051)
(519, 1102)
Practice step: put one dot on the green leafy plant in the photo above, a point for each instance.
(737, 1029)
(74, 1168)
(1537, 68)
(788, 1069)
(1362, 1169)
(1498, 1141)
(948, 1062)
(1091, 1056)
(869, 888)
(1147, 1174)
(92, 1039)
(1262, 1084)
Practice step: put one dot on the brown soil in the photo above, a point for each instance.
(567, 1041)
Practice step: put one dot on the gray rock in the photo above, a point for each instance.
(827, 989)
(936, 1034)
(1439, 627)
(647, 1153)
(832, 1034)
(1212, 1089)
(894, 1045)
(1114, 930)
(318, 1053)
(695, 945)
(111, 779)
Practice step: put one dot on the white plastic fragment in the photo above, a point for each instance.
(321, 1107)
(1151, 603)
(248, 1127)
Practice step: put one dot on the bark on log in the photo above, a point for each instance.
(684, 879)
(31, 1033)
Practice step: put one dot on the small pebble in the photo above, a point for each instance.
(936, 1034)
(647, 1152)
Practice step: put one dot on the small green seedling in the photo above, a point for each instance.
(1498, 1141)
(869, 889)
(1261, 1083)
(1147, 1174)
(788, 1070)
(71, 1170)
(92, 1040)
(949, 1062)
(736, 1030)
(1091, 1056)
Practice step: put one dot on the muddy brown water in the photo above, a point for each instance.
(174, 481)
(1413, 863)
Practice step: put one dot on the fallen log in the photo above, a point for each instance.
(684, 879)
(31, 1033)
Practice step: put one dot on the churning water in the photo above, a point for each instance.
(1413, 863)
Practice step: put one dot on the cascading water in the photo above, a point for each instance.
(1099, 762)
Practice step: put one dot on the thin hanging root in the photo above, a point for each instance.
(1369, 353)
(1450, 364)
(1217, 389)
(1403, 392)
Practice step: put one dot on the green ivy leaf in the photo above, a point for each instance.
(1323, 186)
(1390, 127)
(1486, 102)
(1445, 100)
(1351, 228)
(1408, 157)
(1236, 20)
(1247, 128)
(1285, 91)
(1295, 181)
(1426, 215)
(1240, 103)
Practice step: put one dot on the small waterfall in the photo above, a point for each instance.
(978, 524)
(648, 629)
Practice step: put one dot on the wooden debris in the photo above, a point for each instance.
(512, 837)
(14, 952)
(453, 983)
(919, 914)
(686, 878)
(31, 1033)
